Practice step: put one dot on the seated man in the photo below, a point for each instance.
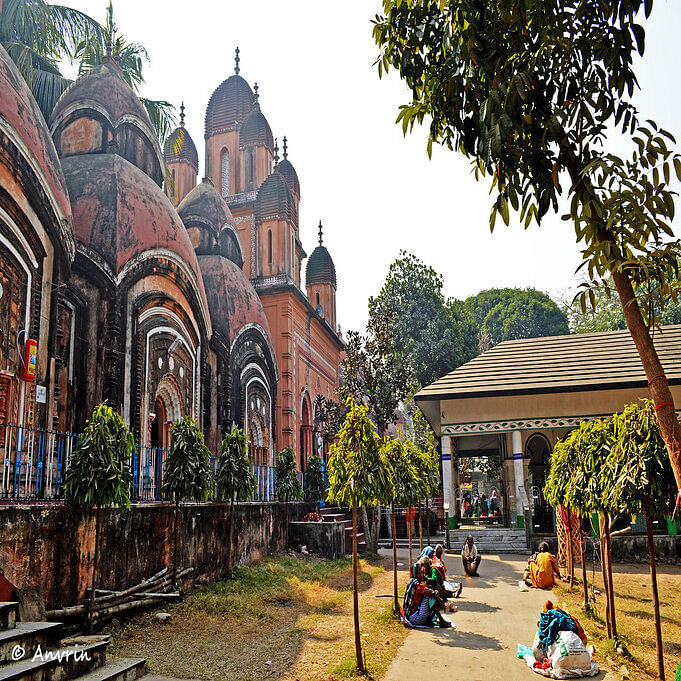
(542, 568)
(470, 557)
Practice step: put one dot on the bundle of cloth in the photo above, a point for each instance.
(559, 649)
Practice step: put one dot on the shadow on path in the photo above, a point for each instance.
(466, 639)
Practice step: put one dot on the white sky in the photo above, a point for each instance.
(375, 191)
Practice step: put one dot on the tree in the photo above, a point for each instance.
(607, 313)
(187, 471)
(37, 36)
(287, 485)
(577, 479)
(359, 474)
(234, 479)
(328, 417)
(99, 474)
(512, 313)
(437, 335)
(641, 481)
(527, 91)
(376, 376)
(315, 489)
(405, 480)
(130, 57)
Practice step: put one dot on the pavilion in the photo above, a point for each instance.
(517, 399)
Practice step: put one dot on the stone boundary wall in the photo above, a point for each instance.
(628, 547)
(52, 547)
(324, 539)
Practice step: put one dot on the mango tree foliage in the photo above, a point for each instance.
(528, 89)
(287, 485)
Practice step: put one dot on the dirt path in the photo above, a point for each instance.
(493, 617)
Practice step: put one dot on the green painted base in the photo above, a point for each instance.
(672, 527)
(521, 522)
(453, 523)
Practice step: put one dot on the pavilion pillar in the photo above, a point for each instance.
(519, 477)
(448, 492)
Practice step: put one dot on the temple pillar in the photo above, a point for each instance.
(519, 478)
(448, 492)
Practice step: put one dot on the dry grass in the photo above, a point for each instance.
(295, 614)
(634, 612)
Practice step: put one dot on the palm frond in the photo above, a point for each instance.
(75, 26)
(162, 116)
(47, 87)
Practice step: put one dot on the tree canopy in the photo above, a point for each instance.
(287, 485)
(234, 479)
(512, 313)
(439, 335)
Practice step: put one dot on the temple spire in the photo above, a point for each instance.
(320, 233)
(285, 149)
(256, 96)
(182, 115)
(276, 154)
(236, 61)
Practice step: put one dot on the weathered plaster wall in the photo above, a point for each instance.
(52, 548)
(325, 539)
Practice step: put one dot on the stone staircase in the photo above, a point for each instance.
(36, 651)
(337, 515)
(491, 539)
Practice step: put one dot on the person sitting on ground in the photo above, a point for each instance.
(470, 557)
(542, 568)
(423, 605)
(447, 589)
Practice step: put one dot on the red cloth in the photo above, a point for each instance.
(411, 514)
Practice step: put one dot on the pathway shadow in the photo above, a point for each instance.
(474, 606)
(465, 639)
(645, 615)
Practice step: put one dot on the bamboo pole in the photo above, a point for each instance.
(604, 569)
(611, 587)
(397, 603)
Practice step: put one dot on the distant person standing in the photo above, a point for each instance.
(493, 503)
(470, 557)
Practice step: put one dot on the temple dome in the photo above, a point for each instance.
(187, 152)
(116, 117)
(20, 112)
(119, 213)
(232, 300)
(210, 224)
(288, 172)
(320, 268)
(275, 201)
(229, 104)
(255, 131)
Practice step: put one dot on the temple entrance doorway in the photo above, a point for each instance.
(538, 454)
(479, 472)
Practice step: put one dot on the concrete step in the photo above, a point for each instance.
(119, 669)
(9, 614)
(334, 518)
(57, 664)
(28, 635)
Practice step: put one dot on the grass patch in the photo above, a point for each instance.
(634, 613)
(283, 618)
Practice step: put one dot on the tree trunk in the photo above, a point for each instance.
(420, 532)
(411, 560)
(570, 557)
(658, 388)
(355, 590)
(371, 527)
(656, 599)
(587, 606)
(175, 533)
(604, 569)
(376, 529)
(231, 538)
(428, 521)
(397, 602)
(95, 564)
(611, 587)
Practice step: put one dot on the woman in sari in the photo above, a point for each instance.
(423, 605)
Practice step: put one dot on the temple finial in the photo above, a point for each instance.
(285, 149)
(236, 61)
(182, 115)
(276, 154)
(256, 96)
(320, 233)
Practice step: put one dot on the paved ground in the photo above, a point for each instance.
(493, 617)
